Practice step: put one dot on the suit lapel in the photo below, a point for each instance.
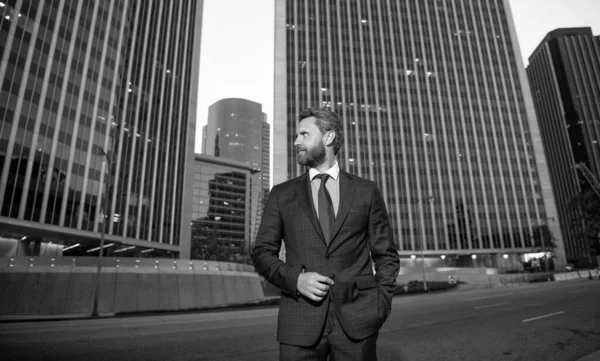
(304, 193)
(346, 198)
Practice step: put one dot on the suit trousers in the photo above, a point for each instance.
(332, 343)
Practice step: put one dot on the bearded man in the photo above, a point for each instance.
(341, 265)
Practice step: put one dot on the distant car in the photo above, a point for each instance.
(569, 267)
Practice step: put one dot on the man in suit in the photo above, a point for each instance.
(335, 227)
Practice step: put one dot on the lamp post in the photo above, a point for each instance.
(107, 218)
(426, 137)
(421, 240)
(474, 257)
(505, 256)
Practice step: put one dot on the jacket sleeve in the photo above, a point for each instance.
(382, 245)
(265, 253)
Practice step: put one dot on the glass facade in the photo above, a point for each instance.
(95, 103)
(435, 110)
(237, 129)
(564, 73)
(222, 205)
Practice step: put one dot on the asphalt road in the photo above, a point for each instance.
(543, 321)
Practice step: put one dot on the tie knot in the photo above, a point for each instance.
(324, 177)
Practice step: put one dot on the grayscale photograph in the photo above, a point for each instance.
(300, 180)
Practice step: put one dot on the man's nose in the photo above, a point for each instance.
(297, 141)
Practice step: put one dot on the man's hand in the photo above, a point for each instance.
(314, 286)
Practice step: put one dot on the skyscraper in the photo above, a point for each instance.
(97, 112)
(436, 110)
(564, 73)
(237, 129)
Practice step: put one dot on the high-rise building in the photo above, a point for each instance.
(237, 129)
(564, 74)
(222, 209)
(437, 110)
(97, 112)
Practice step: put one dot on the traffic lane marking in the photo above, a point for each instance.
(579, 290)
(543, 316)
(529, 290)
(492, 305)
(478, 298)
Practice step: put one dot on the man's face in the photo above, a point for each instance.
(310, 144)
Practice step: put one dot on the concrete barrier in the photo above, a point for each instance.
(168, 291)
(218, 292)
(187, 290)
(10, 285)
(204, 287)
(41, 286)
(582, 273)
(54, 292)
(107, 302)
(229, 286)
(79, 296)
(30, 297)
(474, 277)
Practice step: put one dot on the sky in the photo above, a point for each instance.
(238, 45)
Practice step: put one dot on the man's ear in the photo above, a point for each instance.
(330, 138)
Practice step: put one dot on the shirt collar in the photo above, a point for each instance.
(334, 172)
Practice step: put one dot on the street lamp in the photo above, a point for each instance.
(443, 257)
(505, 256)
(421, 239)
(427, 137)
(474, 257)
(107, 218)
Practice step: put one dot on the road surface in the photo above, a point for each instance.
(545, 321)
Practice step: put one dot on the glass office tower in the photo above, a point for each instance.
(436, 110)
(97, 112)
(564, 73)
(237, 129)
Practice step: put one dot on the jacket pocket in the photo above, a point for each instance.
(364, 282)
(384, 304)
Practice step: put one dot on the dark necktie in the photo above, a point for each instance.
(326, 212)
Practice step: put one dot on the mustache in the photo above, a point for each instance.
(301, 148)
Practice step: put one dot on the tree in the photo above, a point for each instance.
(585, 209)
(544, 239)
(207, 243)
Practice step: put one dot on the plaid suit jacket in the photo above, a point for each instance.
(361, 232)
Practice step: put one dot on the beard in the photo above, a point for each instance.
(311, 157)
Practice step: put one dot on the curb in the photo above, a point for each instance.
(267, 302)
(591, 357)
(42, 318)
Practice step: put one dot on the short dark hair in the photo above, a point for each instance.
(326, 120)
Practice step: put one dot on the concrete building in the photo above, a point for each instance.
(564, 74)
(237, 129)
(437, 110)
(223, 212)
(97, 112)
